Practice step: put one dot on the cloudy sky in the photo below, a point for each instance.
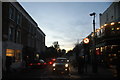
(65, 22)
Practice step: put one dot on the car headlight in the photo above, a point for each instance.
(66, 65)
(54, 65)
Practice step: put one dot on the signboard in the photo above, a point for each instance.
(86, 40)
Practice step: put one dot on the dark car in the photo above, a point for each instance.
(51, 61)
(61, 65)
(37, 64)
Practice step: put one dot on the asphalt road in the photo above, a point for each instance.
(46, 74)
(43, 74)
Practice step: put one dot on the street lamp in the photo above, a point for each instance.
(93, 14)
(94, 62)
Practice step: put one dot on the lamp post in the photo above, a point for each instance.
(94, 60)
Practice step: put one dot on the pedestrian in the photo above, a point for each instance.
(81, 65)
(85, 62)
(118, 66)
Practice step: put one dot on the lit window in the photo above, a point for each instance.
(105, 24)
(112, 29)
(102, 26)
(101, 50)
(92, 34)
(17, 55)
(114, 55)
(118, 28)
(97, 48)
(9, 52)
(112, 23)
(109, 55)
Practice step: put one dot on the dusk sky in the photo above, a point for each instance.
(65, 22)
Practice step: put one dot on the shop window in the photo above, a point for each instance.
(17, 55)
(102, 31)
(112, 29)
(118, 28)
(102, 49)
(10, 52)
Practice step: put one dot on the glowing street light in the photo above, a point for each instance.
(112, 23)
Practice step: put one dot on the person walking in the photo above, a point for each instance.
(118, 66)
(81, 65)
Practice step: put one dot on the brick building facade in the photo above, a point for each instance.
(21, 36)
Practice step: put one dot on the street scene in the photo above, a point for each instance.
(60, 40)
(47, 74)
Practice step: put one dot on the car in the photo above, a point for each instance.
(37, 64)
(61, 65)
(51, 61)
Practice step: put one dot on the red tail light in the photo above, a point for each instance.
(50, 62)
(30, 64)
(38, 63)
(44, 63)
(53, 59)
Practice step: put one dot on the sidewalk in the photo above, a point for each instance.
(103, 73)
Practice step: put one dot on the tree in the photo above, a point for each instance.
(56, 45)
(51, 52)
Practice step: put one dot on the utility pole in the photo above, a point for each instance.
(94, 60)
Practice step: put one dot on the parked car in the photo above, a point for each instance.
(61, 65)
(37, 64)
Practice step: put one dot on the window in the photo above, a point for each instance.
(18, 37)
(103, 31)
(118, 28)
(17, 55)
(10, 52)
(107, 17)
(111, 17)
(29, 28)
(98, 33)
(11, 34)
(112, 29)
(18, 18)
(12, 13)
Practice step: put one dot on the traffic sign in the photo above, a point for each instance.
(86, 40)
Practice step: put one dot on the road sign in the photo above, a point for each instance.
(86, 40)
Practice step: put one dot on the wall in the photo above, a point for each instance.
(111, 14)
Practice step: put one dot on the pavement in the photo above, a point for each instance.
(102, 73)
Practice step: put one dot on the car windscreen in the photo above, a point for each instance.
(61, 61)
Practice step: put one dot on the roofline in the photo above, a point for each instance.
(41, 31)
(24, 11)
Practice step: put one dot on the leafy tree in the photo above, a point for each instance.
(56, 45)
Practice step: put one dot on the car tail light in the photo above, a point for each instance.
(38, 63)
(30, 64)
(44, 63)
(50, 62)
(53, 59)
